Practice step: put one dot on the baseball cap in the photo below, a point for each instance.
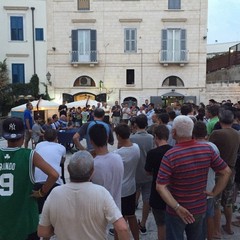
(13, 128)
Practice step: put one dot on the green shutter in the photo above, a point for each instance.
(93, 46)
(74, 45)
(164, 45)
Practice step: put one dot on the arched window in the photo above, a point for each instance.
(84, 81)
(173, 81)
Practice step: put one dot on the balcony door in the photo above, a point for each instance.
(84, 46)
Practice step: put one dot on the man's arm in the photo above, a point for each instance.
(182, 212)
(76, 141)
(122, 229)
(45, 231)
(39, 162)
(110, 137)
(223, 177)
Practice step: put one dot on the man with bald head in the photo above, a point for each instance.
(81, 209)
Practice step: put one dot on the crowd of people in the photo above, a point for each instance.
(182, 161)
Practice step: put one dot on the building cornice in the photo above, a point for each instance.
(16, 55)
(130, 20)
(83, 20)
(174, 19)
(16, 8)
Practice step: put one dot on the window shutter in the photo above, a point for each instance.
(93, 46)
(74, 45)
(183, 45)
(127, 40)
(133, 40)
(164, 44)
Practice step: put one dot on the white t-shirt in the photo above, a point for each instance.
(52, 153)
(79, 211)
(108, 172)
(130, 156)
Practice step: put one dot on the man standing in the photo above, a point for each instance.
(154, 158)
(80, 209)
(212, 115)
(150, 113)
(116, 114)
(143, 181)
(54, 154)
(83, 131)
(18, 208)
(37, 131)
(130, 154)
(227, 140)
(108, 167)
(182, 181)
(62, 109)
(28, 123)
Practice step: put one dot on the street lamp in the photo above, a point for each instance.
(48, 76)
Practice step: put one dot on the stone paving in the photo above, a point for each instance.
(151, 226)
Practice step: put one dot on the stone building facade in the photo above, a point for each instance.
(127, 50)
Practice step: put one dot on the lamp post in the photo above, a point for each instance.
(48, 76)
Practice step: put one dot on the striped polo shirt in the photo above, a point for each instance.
(184, 168)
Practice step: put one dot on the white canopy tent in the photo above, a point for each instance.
(82, 103)
(47, 107)
(43, 105)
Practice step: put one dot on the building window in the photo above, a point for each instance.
(16, 25)
(83, 4)
(130, 40)
(174, 45)
(39, 34)
(84, 46)
(18, 75)
(174, 4)
(130, 76)
(173, 81)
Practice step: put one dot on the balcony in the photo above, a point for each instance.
(80, 57)
(174, 57)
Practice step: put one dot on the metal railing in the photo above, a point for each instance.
(79, 57)
(167, 56)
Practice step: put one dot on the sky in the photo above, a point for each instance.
(223, 21)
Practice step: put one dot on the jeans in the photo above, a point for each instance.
(175, 228)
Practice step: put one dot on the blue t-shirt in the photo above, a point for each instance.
(28, 115)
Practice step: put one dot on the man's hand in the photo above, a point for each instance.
(185, 215)
(37, 194)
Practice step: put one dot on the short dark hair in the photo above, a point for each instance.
(161, 132)
(98, 134)
(141, 121)
(213, 110)
(164, 117)
(50, 134)
(172, 115)
(99, 113)
(123, 130)
(199, 130)
(54, 116)
(186, 108)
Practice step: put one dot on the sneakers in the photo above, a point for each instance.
(111, 231)
(142, 229)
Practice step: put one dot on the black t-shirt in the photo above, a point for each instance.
(116, 111)
(153, 161)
